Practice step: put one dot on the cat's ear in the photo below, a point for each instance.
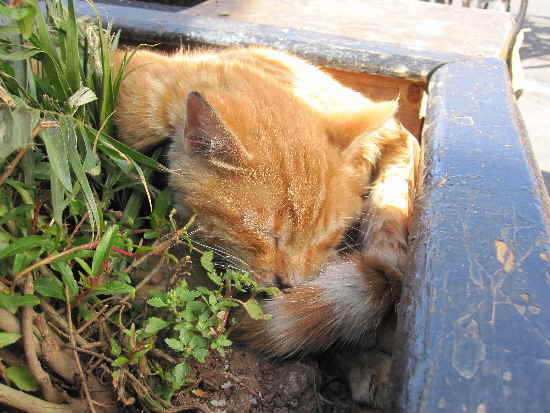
(205, 134)
(346, 128)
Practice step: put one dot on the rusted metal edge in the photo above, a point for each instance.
(171, 28)
(473, 323)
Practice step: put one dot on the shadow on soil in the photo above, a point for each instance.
(537, 41)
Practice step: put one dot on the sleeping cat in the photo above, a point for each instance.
(276, 159)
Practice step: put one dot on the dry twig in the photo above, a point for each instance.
(52, 258)
(31, 404)
(29, 343)
(60, 322)
(76, 356)
(91, 320)
(60, 360)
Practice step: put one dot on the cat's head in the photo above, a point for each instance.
(277, 188)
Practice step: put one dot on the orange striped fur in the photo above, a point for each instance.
(275, 157)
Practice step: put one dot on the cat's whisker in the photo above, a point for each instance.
(233, 267)
(221, 252)
(224, 253)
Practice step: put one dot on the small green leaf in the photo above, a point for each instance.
(120, 361)
(21, 261)
(200, 354)
(184, 295)
(67, 276)
(85, 312)
(103, 249)
(156, 302)
(212, 299)
(197, 342)
(174, 344)
(216, 279)
(225, 341)
(195, 306)
(124, 277)
(49, 288)
(206, 261)
(24, 244)
(8, 338)
(115, 287)
(180, 373)
(163, 203)
(84, 265)
(273, 291)
(188, 315)
(115, 347)
(254, 310)
(13, 302)
(139, 354)
(186, 336)
(154, 324)
(203, 290)
(22, 377)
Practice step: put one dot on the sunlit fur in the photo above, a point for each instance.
(341, 306)
(275, 158)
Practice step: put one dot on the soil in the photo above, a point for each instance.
(246, 382)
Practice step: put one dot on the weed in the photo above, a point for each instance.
(78, 216)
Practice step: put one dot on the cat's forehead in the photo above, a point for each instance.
(300, 195)
(255, 109)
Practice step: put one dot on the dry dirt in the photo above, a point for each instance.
(245, 382)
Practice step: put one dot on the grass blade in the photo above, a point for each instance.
(80, 174)
(56, 141)
(52, 63)
(72, 50)
(103, 249)
(107, 99)
(58, 197)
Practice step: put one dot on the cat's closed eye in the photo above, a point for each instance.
(274, 237)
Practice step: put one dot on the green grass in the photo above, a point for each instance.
(79, 215)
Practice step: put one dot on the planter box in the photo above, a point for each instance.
(474, 317)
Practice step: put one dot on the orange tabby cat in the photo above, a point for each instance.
(275, 157)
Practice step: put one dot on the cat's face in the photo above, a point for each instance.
(275, 195)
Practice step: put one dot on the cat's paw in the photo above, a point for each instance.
(368, 371)
(388, 254)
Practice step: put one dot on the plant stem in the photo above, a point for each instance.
(52, 258)
(31, 404)
(29, 344)
(76, 357)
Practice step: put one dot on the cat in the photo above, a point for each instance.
(277, 160)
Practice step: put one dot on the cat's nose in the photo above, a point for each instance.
(282, 281)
